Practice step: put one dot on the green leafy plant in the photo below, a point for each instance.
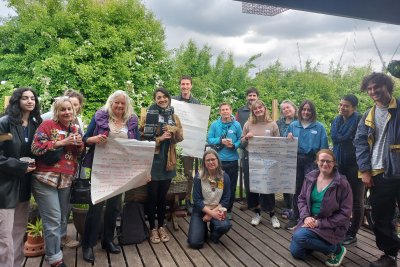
(81, 206)
(35, 229)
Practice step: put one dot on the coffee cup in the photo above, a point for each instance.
(224, 211)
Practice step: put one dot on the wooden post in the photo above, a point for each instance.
(6, 101)
(275, 110)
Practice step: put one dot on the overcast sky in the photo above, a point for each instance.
(321, 38)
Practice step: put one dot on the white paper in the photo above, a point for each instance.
(272, 164)
(194, 119)
(120, 165)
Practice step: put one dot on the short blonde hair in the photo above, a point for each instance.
(128, 105)
(267, 117)
(56, 107)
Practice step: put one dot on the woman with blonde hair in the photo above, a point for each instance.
(57, 145)
(260, 124)
(115, 120)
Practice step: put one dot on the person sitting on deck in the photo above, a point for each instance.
(211, 196)
(325, 204)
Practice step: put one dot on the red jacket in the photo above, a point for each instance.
(46, 135)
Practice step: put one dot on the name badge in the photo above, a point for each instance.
(230, 131)
(161, 119)
(313, 131)
(62, 132)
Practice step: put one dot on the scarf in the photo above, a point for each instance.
(156, 118)
(342, 133)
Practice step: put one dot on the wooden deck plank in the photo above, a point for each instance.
(176, 251)
(147, 254)
(276, 243)
(79, 259)
(69, 254)
(132, 256)
(100, 256)
(244, 245)
(215, 254)
(194, 255)
(163, 255)
(34, 261)
(281, 235)
(266, 245)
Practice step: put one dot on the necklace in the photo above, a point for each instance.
(213, 182)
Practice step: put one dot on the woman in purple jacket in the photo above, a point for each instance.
(115, 120)
(325, 204)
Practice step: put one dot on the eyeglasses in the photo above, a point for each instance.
(211, 160)
(327, 161)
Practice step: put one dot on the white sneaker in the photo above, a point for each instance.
(275, 222)
(256, 219)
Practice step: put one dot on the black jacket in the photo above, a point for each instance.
(15, 185)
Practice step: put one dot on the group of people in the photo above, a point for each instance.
(326, 209)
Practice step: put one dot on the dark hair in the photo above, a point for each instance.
(185, 77)
(352, 99)
(380, 79)
(252, 90)
(164, 91)
(312, 107)
(13, 109)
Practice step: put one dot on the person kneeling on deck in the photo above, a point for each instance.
(325, 204)
(211, 195)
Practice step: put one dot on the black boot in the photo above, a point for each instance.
(88, 254)
(111, 247)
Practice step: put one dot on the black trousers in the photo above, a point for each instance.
(157, 201)
(384, 195)
(93, 221)
(305, 164)
(231, 168)
(358, 189)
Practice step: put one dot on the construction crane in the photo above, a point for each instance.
(341, 55)
(377, 50)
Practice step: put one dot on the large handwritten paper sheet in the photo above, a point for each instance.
(272, 164)
(120, 165)
(194, 119)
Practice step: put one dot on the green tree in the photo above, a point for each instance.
(93, 46)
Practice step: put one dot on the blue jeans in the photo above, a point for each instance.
(198, 229)
(53, 205)
(305, 241)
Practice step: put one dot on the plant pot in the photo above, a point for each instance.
(34, 246)
(79, 217)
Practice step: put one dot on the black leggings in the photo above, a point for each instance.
(156, 201)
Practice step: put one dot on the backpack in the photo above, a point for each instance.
(133, 229)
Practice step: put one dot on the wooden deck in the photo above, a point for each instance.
(244, 245)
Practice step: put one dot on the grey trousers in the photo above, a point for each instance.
(12, 231)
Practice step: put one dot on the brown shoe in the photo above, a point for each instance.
(163, 234)
(244, 207)
(69, 242)
(154, 237)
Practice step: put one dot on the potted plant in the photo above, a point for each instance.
(34, 245)
(79, 212)
(33, 211)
